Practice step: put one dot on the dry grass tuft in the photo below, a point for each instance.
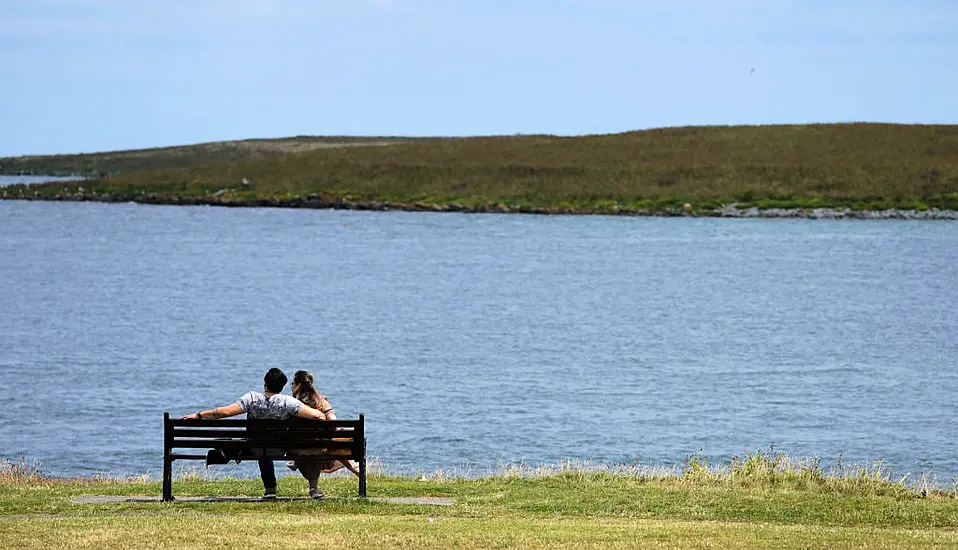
(20, 471)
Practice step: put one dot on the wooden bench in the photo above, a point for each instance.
(246, 439)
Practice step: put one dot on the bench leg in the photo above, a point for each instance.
(362, 472)
(167, 479)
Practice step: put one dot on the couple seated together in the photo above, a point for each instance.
(305, 402)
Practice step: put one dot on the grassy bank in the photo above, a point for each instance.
(858, 166)
(756, 502)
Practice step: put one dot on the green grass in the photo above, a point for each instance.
(763, 500)
(115, 162)
(860, 166)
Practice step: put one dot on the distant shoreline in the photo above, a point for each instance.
(315, 202)
(827, 171)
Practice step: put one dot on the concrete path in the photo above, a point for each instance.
(109, 499)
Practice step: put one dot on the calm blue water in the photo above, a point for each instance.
(475, 340)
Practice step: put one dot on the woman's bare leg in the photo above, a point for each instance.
(351, 466)
(340, 464)
(334, 467)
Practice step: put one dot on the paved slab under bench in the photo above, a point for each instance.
(110, 499)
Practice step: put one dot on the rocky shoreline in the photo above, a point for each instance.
(731, 211)
(338, 203)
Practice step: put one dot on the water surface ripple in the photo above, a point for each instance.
(475, 340)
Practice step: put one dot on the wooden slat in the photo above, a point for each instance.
(268, 439)
(293, 423)
(213, 433)
(243, 444)
(273, 456)
(292, 426)
(287, 440)
(250, 432)
(218, 433)
(330, 445)
(240, 445)
(299, 434)
(208, 444)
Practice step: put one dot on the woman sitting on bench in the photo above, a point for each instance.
(304, 389)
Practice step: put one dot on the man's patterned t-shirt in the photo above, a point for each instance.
(275, 407)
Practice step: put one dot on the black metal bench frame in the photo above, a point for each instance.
(246, 439)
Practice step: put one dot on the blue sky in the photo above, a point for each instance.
(92, 75)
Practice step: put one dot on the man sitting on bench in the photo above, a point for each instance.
(268, 405)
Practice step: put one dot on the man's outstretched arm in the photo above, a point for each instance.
(218, 412)
(308, 412)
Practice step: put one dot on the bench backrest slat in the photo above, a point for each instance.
(338, 443)
(318, 433)
(351, 446)
(291, 424)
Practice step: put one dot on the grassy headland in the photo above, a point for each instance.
(116, 162)
(858, 166)
(760, 501)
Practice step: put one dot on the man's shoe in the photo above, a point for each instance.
(270, 494)
(317, 494)
(291, 464)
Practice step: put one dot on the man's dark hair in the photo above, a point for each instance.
(275, 380)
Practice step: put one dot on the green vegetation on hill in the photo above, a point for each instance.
(115, 162)
(861, 166)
